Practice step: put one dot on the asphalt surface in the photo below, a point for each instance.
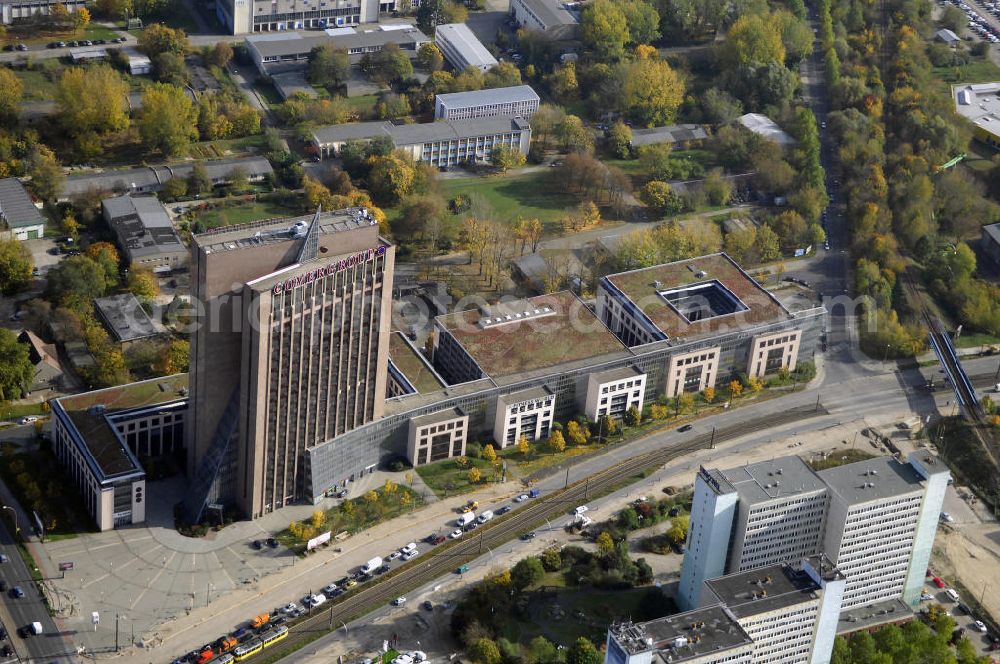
(16, 613)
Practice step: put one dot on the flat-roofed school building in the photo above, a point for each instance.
(461, 48)
(510, 102)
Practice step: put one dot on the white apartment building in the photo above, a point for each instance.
(614, 392)
(875, 520)
(510, 102)
(461, 48)
(787, 614)
(527, 413)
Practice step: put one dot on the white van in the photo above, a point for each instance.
(485, 516)
(465, 519)
(952, 595)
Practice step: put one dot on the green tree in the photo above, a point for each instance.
(753, 40)
(157, 38)
(219, 55)
(167, 120)
(604, 28)
(506, 158)
(15, 266)
(11, 92)
(605, 426)
(678, 531)
(556, 442)
(605, 545)
(175, 188)
(552, 559)
(16, 370)
(78, 279)
(429, 57)
(106, 255)
(796, 35)
(563, 83)
(142, 283)
(954, 19)
(92, 100)
(502, 75)
(198, 180)
(169, 67)
(659, 195)
(390, 178)
(173, 357)
(717, 188)
(583, 652)
(328, 66)
(720, 107)
(642, 20)
(526, 573)
(387, 66)
(46, 174)
(485, 651)
(577, 434)
(633, 417)
(619, 140)
(540, 651)
(767, 244)
(652, 92)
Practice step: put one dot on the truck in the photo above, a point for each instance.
(485, 516)
(372, 565)
(225, 644)
(260, 620)
(534, 493)
(470, 506)
(465, 519)
(31, 629)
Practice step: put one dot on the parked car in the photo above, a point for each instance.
(399, 601)
(520, 499)
(455, 534)
(504, 510)
(938, 582)
(980, 626)
(28, 419)
(685, 428)
(438, 539)
(273, 543)
(16, 592)
(257, 544)
(528, 536)
(289, 608)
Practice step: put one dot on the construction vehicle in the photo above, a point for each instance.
(260, 620)
(225, 644)
(470, 506)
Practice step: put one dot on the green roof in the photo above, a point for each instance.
(102, 442)
(409, 361)
(568, 332)
(644, 287)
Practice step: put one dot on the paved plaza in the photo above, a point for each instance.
(149, 575)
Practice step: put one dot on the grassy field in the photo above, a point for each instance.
(972, 340)
(13, 411)
(227, 147)
(40, 84)
(35, 36)
(447, 478)
(528, 195)
(362, 513)
(268, 93)
(562, 616)
(242, 214)
(364, 105)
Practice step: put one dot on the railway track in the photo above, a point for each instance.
(447, 557)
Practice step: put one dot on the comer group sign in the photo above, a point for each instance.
(327, 270)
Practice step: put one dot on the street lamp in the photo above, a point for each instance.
(886, 355)
(14, 512)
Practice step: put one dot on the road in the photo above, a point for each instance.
(16, 613)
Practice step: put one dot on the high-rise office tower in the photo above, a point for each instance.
(875, 520)
(290, 349)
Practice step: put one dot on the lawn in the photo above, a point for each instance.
(242, 213)
(10, 411)
(563, 616)
(839, 458)
(355, 515)
(267, 92)
(363, 105)
(40, 84)
(38, 36)
(973, 340)
(227, 147)
(529, 195)
(448, 478)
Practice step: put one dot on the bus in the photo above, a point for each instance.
(270, 638)
(247, 650)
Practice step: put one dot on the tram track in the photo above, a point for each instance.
(448, 557)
